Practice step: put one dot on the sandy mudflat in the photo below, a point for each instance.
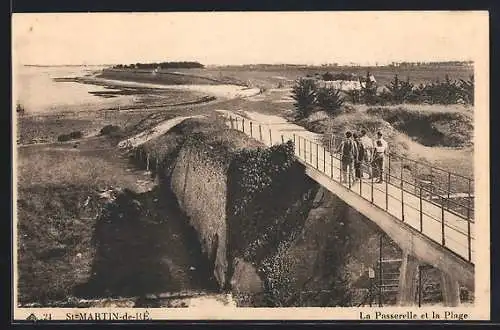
(223, 91)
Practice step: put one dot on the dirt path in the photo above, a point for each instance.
(153, 132)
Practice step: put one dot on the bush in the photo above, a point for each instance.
(466, 90)
(110, 130)
(404, 91)
(304, 94)
(354, 96)
(400, 90)
(329, 100)
(71, 136)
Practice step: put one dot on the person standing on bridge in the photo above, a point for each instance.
(366, 157)
(358, 160)
(381, 151)
(348, 153)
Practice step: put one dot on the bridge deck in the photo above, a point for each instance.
(448, 229)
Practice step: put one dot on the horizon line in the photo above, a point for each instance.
(271, 64)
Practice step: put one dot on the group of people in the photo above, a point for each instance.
(360, 154)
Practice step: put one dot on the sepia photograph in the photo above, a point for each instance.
(275, 165)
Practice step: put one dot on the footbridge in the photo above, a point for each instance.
(432, 225)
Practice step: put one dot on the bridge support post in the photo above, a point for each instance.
(407, 280)
(450, 289)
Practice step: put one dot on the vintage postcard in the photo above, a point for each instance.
(251, 165)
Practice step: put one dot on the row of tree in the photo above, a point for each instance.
(309, 97)
(400, 91)
(161, 65)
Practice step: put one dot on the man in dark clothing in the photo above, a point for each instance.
(359, 158)
(348, 152)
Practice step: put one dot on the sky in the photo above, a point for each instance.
(248, 37)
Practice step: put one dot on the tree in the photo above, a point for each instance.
(450, 91)
(368, 90)
(329, 99)
(304, 94)
(466, 90)
(400, 90)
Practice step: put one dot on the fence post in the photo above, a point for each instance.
(305, 150)
(331, 165)
(243, 124)
(361, 185)
(442, 221)
(260, 132)
(341, 171)
(236, 122)
(419, 286)
(421, 215)
(402, 194)
(469, 241)
(310, 152)
(294, 146)
(299, 144)
(449, 188)
(251, 129)
(270, 138)
(389, 160)
(372, 191)
(317, 156)
(231, 121)
(386, 190)
(380, 273)
(324, 160)
(469, 200)
(282, 139)
(431, 179)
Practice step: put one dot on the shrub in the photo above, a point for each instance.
(466, 90)
(110, 130)
(353, 96)
(369, 91)
(76, 135)
(71, 136)
(400, 90)
(329, 100)
(438, 92)
(304, 94)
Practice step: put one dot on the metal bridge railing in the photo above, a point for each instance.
(439, 185)
(419, 206)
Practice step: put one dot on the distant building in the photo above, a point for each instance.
(344, 85)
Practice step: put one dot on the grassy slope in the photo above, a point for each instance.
(58, 210)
